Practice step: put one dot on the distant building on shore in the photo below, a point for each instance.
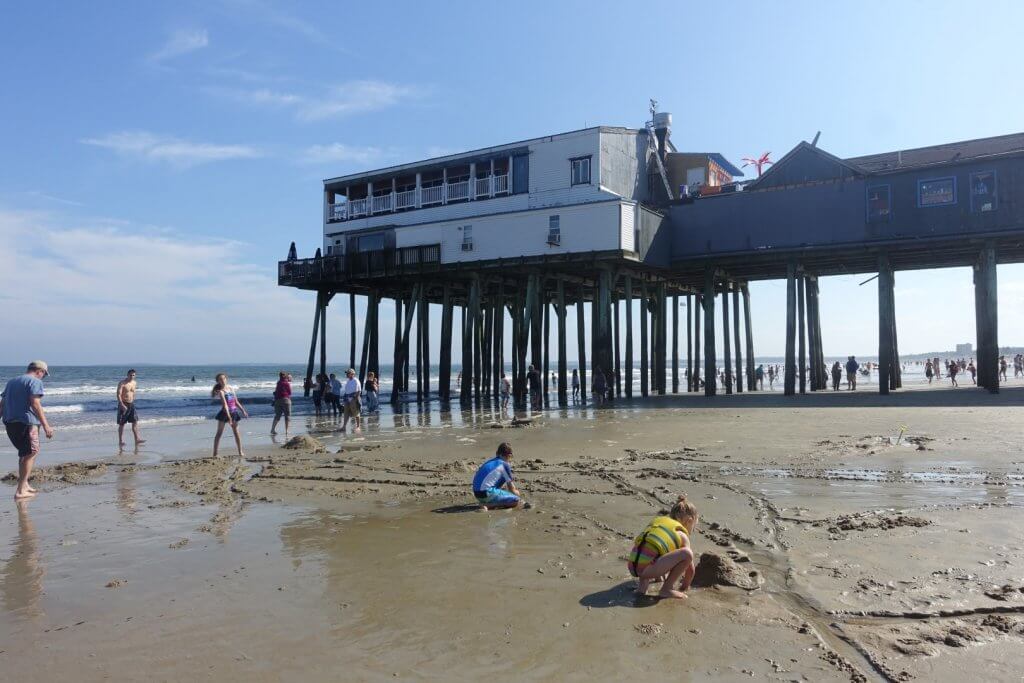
(964, 349)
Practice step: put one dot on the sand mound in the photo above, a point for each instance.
(305, 443)
(68, 473)
(721, 570)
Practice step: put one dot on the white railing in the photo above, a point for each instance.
(358, 207)
(480, 188)
(405, 200)
(458, 190)
(432, 195)
(483, 187)
(337, 212)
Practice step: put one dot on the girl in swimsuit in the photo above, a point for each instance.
(230, 413)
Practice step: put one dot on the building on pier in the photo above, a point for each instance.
(518, 232)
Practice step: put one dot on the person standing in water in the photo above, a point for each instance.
(231, 411)
(837, 376)
(282, 402)
(22, 410)
(126, 409)
(352, 396)
(371, 387)
(575, 386)
(851, 373)
(505, 390)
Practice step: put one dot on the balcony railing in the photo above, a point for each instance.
(312, 272)
(477, 188)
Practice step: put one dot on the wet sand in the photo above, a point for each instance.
(876, 560)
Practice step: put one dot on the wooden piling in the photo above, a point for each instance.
(352, 330)
(749, 332)
(789, 386)
(601, 311)
(374, 362)
(365, 353)
(710, 371)
(312, 345)
(323, 332)
(801, 330)
(814, 369)
(402, 345)
(615, 343)
(546, 350)
(581, 339)
(990, 315)
(562, 362)
(419, 347)
(675, 343)
(698, 310)
(885, 286)
(726, 338)
(497, 349)
(644, 369)
(736, 336)
(689, 342)
(662, 293)
(478, 337)
(444, 380)
(629, 336)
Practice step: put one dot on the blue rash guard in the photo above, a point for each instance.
(493, 474)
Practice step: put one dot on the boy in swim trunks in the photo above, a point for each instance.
(493, 484)
(126, 409)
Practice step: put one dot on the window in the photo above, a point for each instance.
(879, 203)
(467, 238)
(554, 230)
(371, 242)
(936, 192)
(580, 171)
(983, 191)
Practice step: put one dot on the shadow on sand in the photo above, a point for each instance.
(452, 509)
(622, 595)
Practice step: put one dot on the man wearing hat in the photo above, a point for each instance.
(23, 415)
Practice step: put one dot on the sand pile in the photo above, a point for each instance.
(304, 442)
(68, 473)
(721, 570)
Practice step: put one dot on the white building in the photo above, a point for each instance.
(577, 192)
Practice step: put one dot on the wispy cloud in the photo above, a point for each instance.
(181, 42)
(335, 101)
(190, 298)
(275, 16)
(341, 153)
(165, 149)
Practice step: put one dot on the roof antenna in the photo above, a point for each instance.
(814, 142)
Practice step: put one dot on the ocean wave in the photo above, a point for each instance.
(190, 388)
(188, 419)
(73, 408)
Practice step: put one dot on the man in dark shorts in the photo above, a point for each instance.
(126, 409)
(23, 414)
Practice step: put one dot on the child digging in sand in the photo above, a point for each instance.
(662, 552)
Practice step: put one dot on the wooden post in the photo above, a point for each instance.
(374, 362)
(789, 387)
(478, 338)
(884, 323)
(801, 330)
(821, 344)
(498, 365)
(396, 374)
(425, 310)
(402, 347)
(689, 343)
(323, 332)
(536, 324)
(419, 348)
(466, 384)
(726, 338)
(751, 381)
(698, 309)
(617, 361)
(488, 350)
(364, 356)
(710, 371)
(736, 336)
(629, 337)
(675, 343)
(546, 343)
(563, 367)
(514, 312)
(813, 370)
(990, 319)
(312, 344)
(352, 329)
(662, 339)
(644, 370)
(444, 380)
(601, 312)
(581, 340)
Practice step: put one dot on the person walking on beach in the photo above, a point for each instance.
(837, 375)
(494, 486)
(759, 377)
(1002, 368)
(282, 402)
(953, 369)
(973, 370)
(575, 386)
(371, 387)
(771, 376)
(352, 394)
(506, 391)
(126, 409)
(928, 371)
(851, 373)
(231, 411)
(22, 410)
(533, 377)
(662, 551)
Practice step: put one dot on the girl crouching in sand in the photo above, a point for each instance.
(662, 552)
(231, 412)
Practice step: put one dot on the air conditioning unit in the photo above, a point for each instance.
(554, 240)
(467, 246)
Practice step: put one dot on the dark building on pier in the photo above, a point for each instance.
(516, 234)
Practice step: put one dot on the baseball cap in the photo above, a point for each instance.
(39, 365)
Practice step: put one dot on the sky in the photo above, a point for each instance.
(158, 158)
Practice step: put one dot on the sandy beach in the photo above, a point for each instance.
(366, 560)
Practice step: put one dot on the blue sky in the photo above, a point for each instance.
(159, 157)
